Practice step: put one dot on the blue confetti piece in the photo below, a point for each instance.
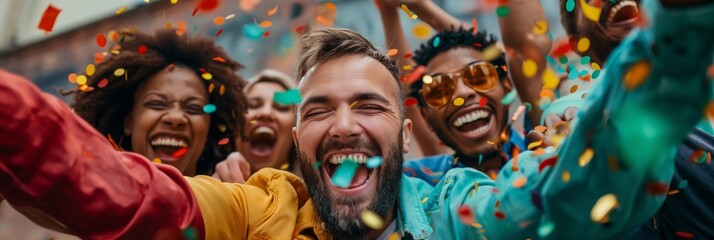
(596, 74)
(374, 162)
(480, 159)
(252, 31)
(508, 99)
(209, 108)
(683, 184)
(550, 35)
(572, 75)
(560, 69)
(344, 173)
(570, 5)
(436, 42)
(550, 59)
(563, 60)
(288, 97)
(585, 60)
(583, 73)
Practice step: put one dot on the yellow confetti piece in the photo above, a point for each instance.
(595, 66)
(394, 236)
(121, 10)
(211, 87)
(637, 74)
(601, 211)
(476, 225)
(534, 144)
(371, 220)
(81, 80)
(583, 44)
(174, 1)
(115, 51)
(550, 80)
(490, 53)
(458, 101)
(119, 72)
(407, 67)
(529, 68)
(82, 87)
(207, 76)
(489, 142)
(409, 12)
(585, 157)
(421, 31)
(392, 52)
(427, 79)
(591, 12)
(540, 27)
(566, 176)
(90, 69)
(675, 191)
(520, 182)
(272, 11)
(423, 200)
(284, 166)
(156, 160)
(353, 104)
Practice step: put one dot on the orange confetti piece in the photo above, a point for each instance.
(219, 20)
(72, 77)
(637, 74)
(47, 22)
(223, 141)
(392, 52)
(99, 57)
(710, 71)
(222, 90)
(520, 182)
(156, 160)
(541, 129)
(266, 24)
(272, 11)
(219, 59)
(710, 110)
(574, 88)
(566, 176)
(331, 6)
(211, 87)
(539, 151)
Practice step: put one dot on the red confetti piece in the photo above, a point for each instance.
(194, 11)
(414, 75)
(103, 83)
(409, 55)
(223, 141)
(482, 102)
(560, 48)
(696, 155)
(499, 215)
(202, 70)
(684, 234)
(142, 49)
(98, 57)
(101, 40)
(427, 170)
(113, 143)
(266, 34)
(208, 5)
(410, 171)
(466, 215)
(47, 22)
(547, 163)
(180, 152)
(657, 188)
(219, 32)
(300, 29)
(410, 101)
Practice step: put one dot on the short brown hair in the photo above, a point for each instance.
(320, 45)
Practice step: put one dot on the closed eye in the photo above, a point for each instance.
(156, 105)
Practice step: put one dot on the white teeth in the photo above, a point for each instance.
(470, 117)
(617, 8)
(359, 158)
(168, 141)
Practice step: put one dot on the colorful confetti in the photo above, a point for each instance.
(410, 102)
(427, 79)
(272, 11)
(458, 101)
(409, 12)
(119, 72)
(207, 76)
(570, 5)
(657, 188)
(103, 83)
(491, 53)
(414, 75)
(219, 20)
(180, 152)
(502, 11)
(683, 184)
(223, 141)
(47, 22)
(550, 80)
(121, 10)
(156, 160)
(601, 211)
(81, 80)
(392, 52)
(591, 12)
(209, 108)
(101, 40)
(583, 44)
(585, 157)
(421, 31)
(288, 97)
(565, 176)
(540, 27)
(545, 229)
(684, 234)
(436, 41)
(466, 215)
(142, 49)
(371, 219)
(520, 182)
(637, 74)
(90, 69)
(344, 173)
(529, 68)
(374, 162)
(284, 166)
(482, 102)
(509, 97)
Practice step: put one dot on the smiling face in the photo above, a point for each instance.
(350, 110)
(467, 128)
(616, 20)
(268, 140)
(167, 119)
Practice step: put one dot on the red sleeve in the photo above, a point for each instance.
(55, 167)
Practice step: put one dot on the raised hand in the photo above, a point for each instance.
(234, 169)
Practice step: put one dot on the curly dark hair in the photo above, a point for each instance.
(449, 39)
(105, 108)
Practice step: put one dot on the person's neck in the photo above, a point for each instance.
(490, 161)
(374, 234)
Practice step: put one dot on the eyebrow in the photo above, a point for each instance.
(369, 96)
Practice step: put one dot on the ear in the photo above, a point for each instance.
(406, 134)
(507, 85)
(128, 123)
(295, 139)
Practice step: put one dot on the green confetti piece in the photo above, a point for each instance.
(570, 5)
(374, 162)
(585, 60)
(545, 229)
(209, 108)
(288, 97)
(480, 159)
(683, 184)
(317, 165)
(502, 11)
(190, 233)
(508, 99)
(529, 106)
(344, 173)
(563, 60)
(596, 74)
(436, 42)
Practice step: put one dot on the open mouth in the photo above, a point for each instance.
(169, 148)
(362, 174)
(474, 123)
(262, 141)
(621, 17)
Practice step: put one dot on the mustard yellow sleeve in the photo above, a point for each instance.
(265, 207)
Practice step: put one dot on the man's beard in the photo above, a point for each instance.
(389, 181)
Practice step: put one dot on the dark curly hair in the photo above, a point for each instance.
(105, 108)
(449, 39)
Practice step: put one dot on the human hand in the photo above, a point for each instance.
(234, 169)
(558, 125)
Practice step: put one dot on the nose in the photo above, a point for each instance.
(175, 117)
(465, 92)
(344, 127)
(265, 112)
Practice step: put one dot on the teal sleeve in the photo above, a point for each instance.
(631, 126)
